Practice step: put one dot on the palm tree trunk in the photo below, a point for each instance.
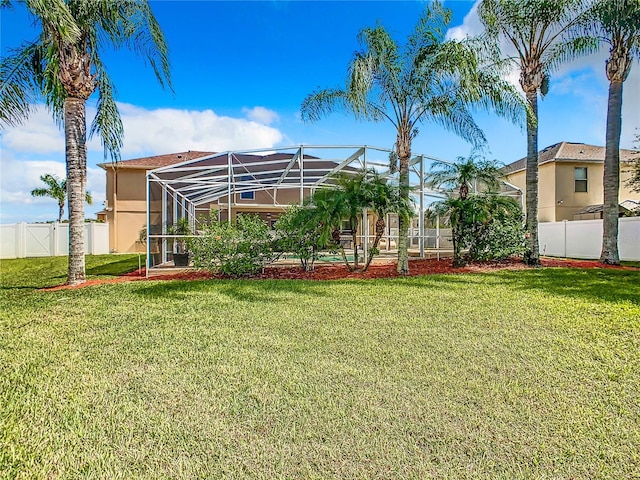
(403, 146)
(354, 238)
(532, 253)
(60, 211)
(380, 227)
(611, 179)
(456, 237)
(76, 157)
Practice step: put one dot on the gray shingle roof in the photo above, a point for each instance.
(569, 152)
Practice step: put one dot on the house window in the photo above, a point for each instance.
(247, 195)
(580, 179)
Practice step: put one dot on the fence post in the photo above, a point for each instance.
(21, 238)
(564, 222)
(54, 239)
(92, 235)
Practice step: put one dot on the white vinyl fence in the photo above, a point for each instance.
(583, 238)
(20, 240)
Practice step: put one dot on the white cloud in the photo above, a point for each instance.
(471, 25)
(261, 115)
(39, 134)
(37, 148)
(170, 130)
(20, 176)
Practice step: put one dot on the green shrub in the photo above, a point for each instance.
(235, 249)
(495, 230)
(499, 239)
(298, 231)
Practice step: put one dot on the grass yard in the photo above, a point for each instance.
(513, 374)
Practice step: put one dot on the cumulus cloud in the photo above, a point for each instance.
(471, 25)
(261, 115)
(170, 130)
(37, 148)
(22, 174)
(38, 135)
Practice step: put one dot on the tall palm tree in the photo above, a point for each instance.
(57, 189)
(64, 66)
(428, 79)
(615, 23)
(535, 29)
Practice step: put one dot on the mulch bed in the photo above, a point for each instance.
(340, 272)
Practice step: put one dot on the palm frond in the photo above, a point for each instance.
(322, 102)
(131, 24)
(18, 85)
(56, 15)
(107, 122)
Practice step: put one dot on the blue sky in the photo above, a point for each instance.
(240, 72)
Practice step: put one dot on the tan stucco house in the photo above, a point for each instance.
(126, 204)
(570, 181)
(160, 190)
(126, 191)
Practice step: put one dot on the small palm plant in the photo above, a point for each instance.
(472, 172)
(352, 194)
(57, 189)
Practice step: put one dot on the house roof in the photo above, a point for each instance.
(569, 152)
(599, 208)
(157, 161)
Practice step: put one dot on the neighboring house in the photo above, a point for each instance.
(126, 204)
(570, 177)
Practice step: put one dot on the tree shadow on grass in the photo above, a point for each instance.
(114, 269)
(252, 291)
(604, 284)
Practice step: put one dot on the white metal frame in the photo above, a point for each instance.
(207, 179)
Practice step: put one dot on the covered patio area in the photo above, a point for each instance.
(266, 182)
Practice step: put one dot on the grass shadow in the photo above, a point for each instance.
(114, 269)
(252, 291)
(595, 284)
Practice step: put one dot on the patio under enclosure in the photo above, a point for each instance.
(266, 182)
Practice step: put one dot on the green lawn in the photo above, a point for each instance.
(527, 374)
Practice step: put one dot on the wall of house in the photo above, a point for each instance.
(557, 198)
(126, 208)
(546, 191)
(547, 200)
(570, 201)
(625, 192)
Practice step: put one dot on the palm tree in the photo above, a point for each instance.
(343, 202)
(615, 23)
(382, 198)
(535, 28)
(64, 65)
(428, 79)
(57, 189)
(472, 172)
(346, 201)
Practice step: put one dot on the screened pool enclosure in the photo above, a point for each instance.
(265, 183)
